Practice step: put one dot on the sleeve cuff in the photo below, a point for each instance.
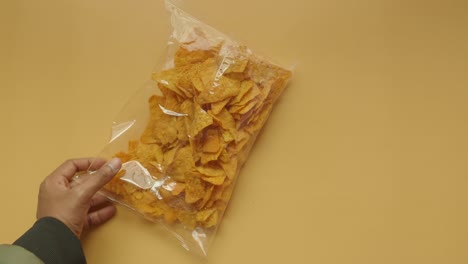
(53, 242)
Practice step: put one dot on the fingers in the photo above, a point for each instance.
(101, 216)
(98, 200)
(70, 167)
(97, 180)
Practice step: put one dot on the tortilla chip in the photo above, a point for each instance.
(201, 120)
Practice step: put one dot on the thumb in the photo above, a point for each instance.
(99, 178)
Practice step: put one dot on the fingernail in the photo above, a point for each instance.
(114, 164)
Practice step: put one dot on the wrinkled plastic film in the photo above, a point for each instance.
(185, 135)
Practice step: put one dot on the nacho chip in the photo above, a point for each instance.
(206, 198)
(218, 180)
(211, 171)
(251, 94)
(167, 80)
(212, 220)
(219, 90)
(207, 157)
(203, 215)
(124, 157)
(201, 120)
(219, 106)
(169, 155)
(225, 156)
(198, 49)
(226, 121)
(182, 163)
(227, 136)
(245, 87)
(194, 190)
(187, 218)
(211, 141)
(178, 188)
(198, 84)
(230, 168)
(237, 65)
(242, 109)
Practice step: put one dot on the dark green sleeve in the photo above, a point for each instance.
(53, 242)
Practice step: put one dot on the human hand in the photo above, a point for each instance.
(76, 204)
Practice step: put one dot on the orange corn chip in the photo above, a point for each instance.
(206, 198)
(218, 180)
(219, 106)
(245, 87)
(230, 168)
(182, 163)
(179, 187)
(211, 141)
(207, 157)
(201, 120)
(194, 190)
(212, 220)
(203, 215)
(211, 171)
(220, 90)
(169, 155)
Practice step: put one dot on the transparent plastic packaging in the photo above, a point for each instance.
(184, 136)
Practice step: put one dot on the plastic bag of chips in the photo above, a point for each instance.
(185, 136)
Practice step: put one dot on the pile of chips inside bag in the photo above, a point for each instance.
(209, 102)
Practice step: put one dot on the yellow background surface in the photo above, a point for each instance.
(364, 158)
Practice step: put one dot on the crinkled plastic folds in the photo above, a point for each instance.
(184, 137)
